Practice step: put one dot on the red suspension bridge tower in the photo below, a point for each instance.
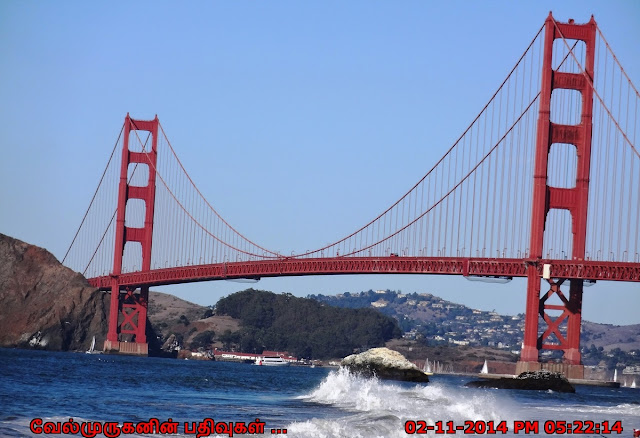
(545, 198)
(128, 308)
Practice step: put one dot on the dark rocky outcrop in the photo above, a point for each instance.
(44, 304)
(385, 364)
(529, 380)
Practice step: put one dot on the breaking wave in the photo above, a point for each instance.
(371, 407)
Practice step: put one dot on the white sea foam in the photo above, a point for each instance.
(380, 408)
(353, 393)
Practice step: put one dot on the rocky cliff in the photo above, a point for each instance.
(44, 304)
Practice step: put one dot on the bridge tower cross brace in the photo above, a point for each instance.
(128, 307)
(546, 197)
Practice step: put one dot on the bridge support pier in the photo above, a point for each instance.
(127, 321)
(569, 371)
(562, 331)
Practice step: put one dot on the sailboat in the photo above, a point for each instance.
(92, 348)
(615, 375)
(633, 384)
(485, 368)
(427, 368)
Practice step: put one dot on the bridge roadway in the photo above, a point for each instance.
(292, 266)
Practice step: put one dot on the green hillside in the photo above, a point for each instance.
(304, 327)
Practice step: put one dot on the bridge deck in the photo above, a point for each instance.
(291, 266)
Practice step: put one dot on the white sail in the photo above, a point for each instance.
(485, 368)
(92, 348)
(615, 375)
(633, 384)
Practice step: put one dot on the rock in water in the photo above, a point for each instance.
(44, 304)
(385, 364)
(529, 380)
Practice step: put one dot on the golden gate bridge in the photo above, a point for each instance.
(544, 183)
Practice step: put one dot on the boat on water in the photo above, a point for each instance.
(92, 348)
(485, 368)
(427, 368)
(272, 361)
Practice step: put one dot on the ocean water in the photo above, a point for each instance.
(307, 402)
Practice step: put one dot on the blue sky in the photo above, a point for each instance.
(300, 121)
